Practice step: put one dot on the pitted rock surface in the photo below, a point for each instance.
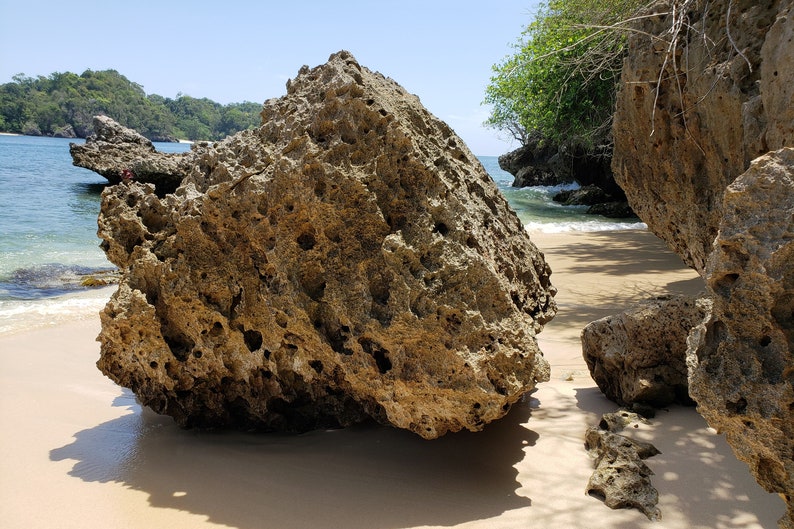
(621, 477)
(350, 259)
(639, 355)
(740, 359)
(114, 148)
(682, 137)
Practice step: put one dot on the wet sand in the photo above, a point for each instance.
(78, 452)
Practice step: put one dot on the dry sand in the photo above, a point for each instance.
(77, 451)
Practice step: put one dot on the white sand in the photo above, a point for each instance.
(78, 452)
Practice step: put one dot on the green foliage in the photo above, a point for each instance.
(563, 78)
(51, 105)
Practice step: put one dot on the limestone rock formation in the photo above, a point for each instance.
(741, 358)
(682, 135)
(114, 149)
(704, 94)
(639, 355)
(621, 477)
(536, 163)
(350, 259)
(539, 162)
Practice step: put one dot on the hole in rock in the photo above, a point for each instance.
(197, 354)
(179, 345)
(378, 353)
(217, 329)
(312, 280)
(238, 297)
(153, 364)
(316, 365)
(441, 229)
(726, 281)
(516, 299)
(764, 341)
(336, 335)
(306, 241)
(379, 290)
(737, 407)
(252, 339)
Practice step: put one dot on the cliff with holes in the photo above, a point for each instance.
(703, 135)
(706, 89)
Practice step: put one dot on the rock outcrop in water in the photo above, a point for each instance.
(697, 106)
(350, 259)
(114, 149)
(539, 162)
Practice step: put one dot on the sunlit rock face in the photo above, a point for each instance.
(740, 359)
(348, 260)
(119, 153)
(683, 135)
(639, 355)
(703, 124)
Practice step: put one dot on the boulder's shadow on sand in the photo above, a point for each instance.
(364, 477)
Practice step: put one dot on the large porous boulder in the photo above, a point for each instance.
(350, 259)
(119, 153)
(703, 93)
(740, 358)
(639, 355)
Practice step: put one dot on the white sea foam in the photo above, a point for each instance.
(20, 315)
(588, 226)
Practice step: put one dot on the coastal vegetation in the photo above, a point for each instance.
(63, 104)
(562, 81)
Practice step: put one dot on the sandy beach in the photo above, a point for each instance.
(78, 452)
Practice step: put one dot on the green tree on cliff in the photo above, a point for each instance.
(563, 78)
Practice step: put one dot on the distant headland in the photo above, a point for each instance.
(63, 105)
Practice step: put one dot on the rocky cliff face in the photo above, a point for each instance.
(696, 107)
(741, 358)
(350, 259)
(712, 91)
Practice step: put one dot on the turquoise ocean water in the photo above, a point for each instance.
(48, 224)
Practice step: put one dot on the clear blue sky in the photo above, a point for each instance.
(233, 51)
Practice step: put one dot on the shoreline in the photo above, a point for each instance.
(78, 440)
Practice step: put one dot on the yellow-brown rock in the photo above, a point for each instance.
(350, 259)
(741, 359)
(696, 107)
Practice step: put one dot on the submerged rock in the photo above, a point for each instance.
(741, 358)
(350, 259)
